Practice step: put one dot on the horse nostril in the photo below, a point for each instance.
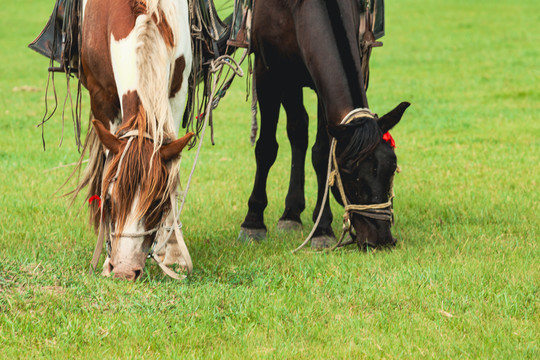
(111, 267)
(138, 273)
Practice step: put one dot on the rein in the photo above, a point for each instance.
(381, 211)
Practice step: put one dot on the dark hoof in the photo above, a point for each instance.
(323, 242)
(248, 235)
(289, 225)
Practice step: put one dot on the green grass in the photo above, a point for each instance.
(463, 281)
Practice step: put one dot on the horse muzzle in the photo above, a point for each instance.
(372, 233)
(124, 270)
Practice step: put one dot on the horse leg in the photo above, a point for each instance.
(253, 227)
(324, 235)
(171, 253)
(297, 132)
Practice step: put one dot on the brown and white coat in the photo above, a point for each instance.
(136, 60)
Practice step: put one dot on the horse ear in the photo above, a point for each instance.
(388, 121)
(172, 150)
(110, 141)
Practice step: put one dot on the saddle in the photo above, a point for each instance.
(371, 29)
(60, 39)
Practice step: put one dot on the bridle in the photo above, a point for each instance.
(106, 226)
(381, 211)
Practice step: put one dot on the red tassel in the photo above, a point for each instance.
(389, 139)
(95, 197)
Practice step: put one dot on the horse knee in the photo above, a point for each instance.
(266, 152)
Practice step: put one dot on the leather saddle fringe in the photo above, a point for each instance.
(60, 41)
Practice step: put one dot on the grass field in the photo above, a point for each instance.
(463, 281)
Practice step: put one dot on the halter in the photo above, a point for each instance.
(155, 247)
(381, 211)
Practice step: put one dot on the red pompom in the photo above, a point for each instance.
(95, 197)
(389, 139)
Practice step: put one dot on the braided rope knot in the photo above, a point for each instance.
(332, 177)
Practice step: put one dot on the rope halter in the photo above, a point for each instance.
(105, 230)
(130, 135)
(381, 211)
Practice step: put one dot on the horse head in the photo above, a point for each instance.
(366, 166)
(136, 189)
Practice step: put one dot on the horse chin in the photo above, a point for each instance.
(373, 233)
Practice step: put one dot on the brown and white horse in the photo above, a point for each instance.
(136, 59)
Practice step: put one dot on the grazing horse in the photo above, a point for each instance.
(136, 59)
(315, 43)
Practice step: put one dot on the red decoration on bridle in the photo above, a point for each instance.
(389, 139)
(95, 197)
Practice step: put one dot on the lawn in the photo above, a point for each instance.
(463, 281)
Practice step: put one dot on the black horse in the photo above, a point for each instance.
(315, 43)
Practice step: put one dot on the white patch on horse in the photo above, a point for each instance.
(83, 8)
(144, 62)
(127, 246)
(123, 58)
(182, 38)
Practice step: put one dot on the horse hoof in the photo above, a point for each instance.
(322, 242)
(289, 225)
(248, 235)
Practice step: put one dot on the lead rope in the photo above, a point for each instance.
(375, 211)
(330, 174)
(216, 68)
(323, 203)
(181, 243)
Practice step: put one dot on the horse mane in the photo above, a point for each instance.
(365, 135)
(353, 74)
(146, 170)
(155, 60)
(147, 177)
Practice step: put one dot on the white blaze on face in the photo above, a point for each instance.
(129, 250)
